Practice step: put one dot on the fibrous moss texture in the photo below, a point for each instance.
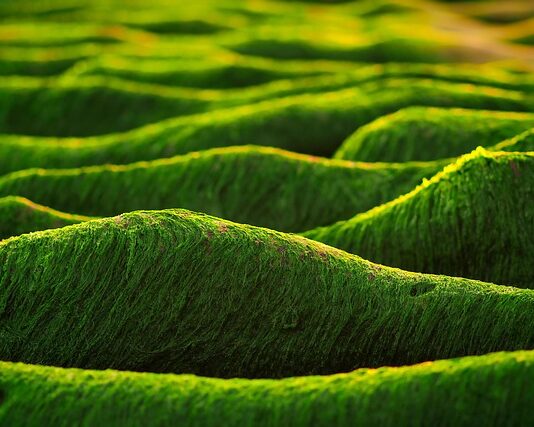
(431, 133)
(484, 390)
(251, 190)
(475, 219)
(174, 291)
(19, 216)
(96, 105)
(255, 185)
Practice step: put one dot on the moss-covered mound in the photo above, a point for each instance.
(311, 124)
(419, 133)
(522, 142)
(19, 215)
(254, 185)
(265, 77)
(174, 291)
(475, 219)
(96, 105)
(483, 390)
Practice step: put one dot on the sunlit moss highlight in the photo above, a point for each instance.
(473, 219)
(175, 291)
(485, 390)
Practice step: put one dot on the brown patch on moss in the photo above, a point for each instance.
(515, 169)
(223, 228)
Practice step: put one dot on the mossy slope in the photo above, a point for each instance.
(522, 142)
(475, 219)
(19, 215)
(96, 105)
(484, 390)
(417, 133)
(266, 78)
(311, 124)
(254, 185)
(181, 292)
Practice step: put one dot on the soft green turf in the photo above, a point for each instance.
(522, 142)
(174, 291)
(475, 219)
(313, 124)
(181, 292)
(19, 215)
(242, 71)
(298, 192)
(255, 185)
(97, 105)
(494, 389)
(418, 133)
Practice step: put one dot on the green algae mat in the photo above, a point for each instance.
(266, 213)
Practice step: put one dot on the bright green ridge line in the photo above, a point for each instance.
(291, 41)
(299, 75)
(493, 389)
(54, 60)
(91, 106)
(18, 62)
(43, 34)
(98, 105)
(423, 134)
(311, 124)
(254, 185)
(54, 34)
(19, 215)
(175, 291)
(217, 182)
(211, 74)
(474, 219)
(375, 50)
(522, 142)
(213, 182)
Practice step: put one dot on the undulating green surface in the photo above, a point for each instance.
(311, 124)
(90, 106)
(346, 122)
(20, 215)
(175, 291)
(431, 133)
(475, 219)
(485, 390)
(255, 185)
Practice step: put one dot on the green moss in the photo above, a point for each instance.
(475, 219)
(422, 134)
(19, 215)
(483, 390)
(311, 124)
(87, 107)
(97, 105)
(301, 76)
(254, 185)
(522, 142)
(181, 292)
(43, 34)
(216, 73)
